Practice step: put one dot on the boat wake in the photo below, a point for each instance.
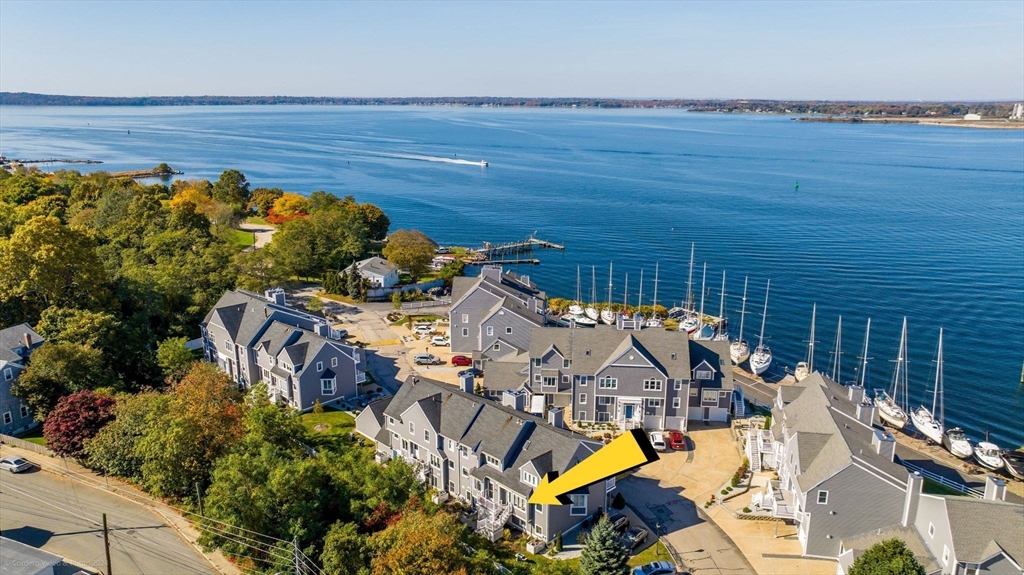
(436, 159)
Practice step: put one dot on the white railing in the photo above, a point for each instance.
(946, 482)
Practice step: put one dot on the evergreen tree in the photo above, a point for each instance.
(603, 553)
(353, 282)
(342, 284)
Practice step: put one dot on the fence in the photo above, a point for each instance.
(381, 294)
(411, 305)
(945, 481)
(22, 444)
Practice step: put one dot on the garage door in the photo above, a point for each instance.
(678, 423)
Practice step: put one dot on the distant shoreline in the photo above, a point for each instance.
(985, 123)
(851, 109)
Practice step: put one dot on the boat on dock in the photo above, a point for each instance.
(607, 314)
(1014, 461)
(892, 404)
(989, 455)
(739, 351)
(931, 422)
(703, 331)
(806, 368)
(591, 310)
(721, 333)
(690, 321)
(957, 443)
(761, 359)
(654, 320)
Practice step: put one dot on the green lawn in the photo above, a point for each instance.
(656, 552)
(240, 238)
(936, 488)
(339, 425)
(35, 436)
(257, 220)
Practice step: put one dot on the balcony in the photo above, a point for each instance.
(491, 518)
(776, 500)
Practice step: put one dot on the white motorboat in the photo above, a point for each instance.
(930, 422)
(957, 443)
(690, 323)
(576, 307)
(989, 456)
(892, 404)
(761, 359)
(591, 310)
(607, 314)
(739, 351)
(805, 368)
(802, 371)
(1014, 461)
(580, 319)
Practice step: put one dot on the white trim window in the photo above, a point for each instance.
(328, 386)
(693, 392)
(334, 362)
(608, 383)
(678, 384)
(603, 417)
(653, 402)
(565, 364)
(537, 361)
(565, 379)
(529, 478)
(490, 330)
(945, 555)
(931, 529)
(676, 402)
(582, 416)
(583, 399)
(652, 385)
(435, 461)
(426, 436)
(822, 497)
(709, 396)
(8, 374)
(465, 332)
(412, 428)
(508, 330)
(465, 318)
(319, 366)
(604, 400)
(518, 501)
(492, 461)
(579, 504)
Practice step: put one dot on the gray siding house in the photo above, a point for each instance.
(16, 344)
(378, 271)
(495, 313)
(299, 357)
(651, 379)
(488, 454)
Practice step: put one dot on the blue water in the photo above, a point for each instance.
(926, 222)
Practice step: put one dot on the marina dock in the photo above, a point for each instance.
(529, 261)
(531, 243)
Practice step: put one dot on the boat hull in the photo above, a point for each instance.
(988, 456)
(690, 324)
(801, 371)
(960, 447)
(592, 313)
(760, 361)
(1014, 462)
(608, 317)
(926, 424)
(739, 352)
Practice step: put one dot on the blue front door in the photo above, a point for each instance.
(629, 412)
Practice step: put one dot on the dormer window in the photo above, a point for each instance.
(529, 478)
(492, 461)
(704, 374)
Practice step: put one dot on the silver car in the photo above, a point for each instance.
(14, 464)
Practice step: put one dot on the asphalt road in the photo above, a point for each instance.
(65, 518)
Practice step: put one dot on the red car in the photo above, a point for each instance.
(462, 361)
(676, 440)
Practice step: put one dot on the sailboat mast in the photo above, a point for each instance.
(703, 279)
(640, 296)
(938, 396)
(610, 285)
(743, 308)
(578, 297)
(864, 355)
(654, 306)
(810, 343)
(689, 281)
(899, 380)
(764, 314)
(837, 359)
(625, 295)
(593, 285)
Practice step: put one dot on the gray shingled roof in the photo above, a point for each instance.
(240, 313)
(504, 375)
(13, 338)
(909, 535)
(510, 284)
(375, 265)
(516, 306)
(605, 343)
(981, 528)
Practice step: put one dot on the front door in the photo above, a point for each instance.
(707, 413)
(628, 411)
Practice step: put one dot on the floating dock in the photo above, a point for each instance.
(490, 251)
(530, 261)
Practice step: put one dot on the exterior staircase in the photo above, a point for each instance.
(492, 518)
(739, 408)
(754, 449)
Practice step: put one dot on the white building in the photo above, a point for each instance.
(378, 271)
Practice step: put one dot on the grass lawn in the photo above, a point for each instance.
(35, 436)
(336, 297)
(240, 238)
(257, 220)
(936, 488)
(338, 423)
(656, 552)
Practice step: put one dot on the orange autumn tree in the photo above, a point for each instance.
(196, 192)
(420, 544)
(288, 207)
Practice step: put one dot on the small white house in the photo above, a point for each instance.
(972, 116)
(378, 271)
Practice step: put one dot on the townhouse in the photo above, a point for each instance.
(651, 378)
(486, 453)
(299, 357)
(16, 345)
(493, 314)
(843, 486)
(378, 271)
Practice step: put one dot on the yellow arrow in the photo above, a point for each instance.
(627, 451)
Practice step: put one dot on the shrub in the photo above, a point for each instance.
(746, 510)
(558, 542)
(725, 492)
(619, 502)
(736, 479)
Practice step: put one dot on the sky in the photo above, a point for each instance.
(773, 50)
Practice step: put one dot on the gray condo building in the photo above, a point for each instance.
(16, 345)
(297, 355)
(493, 314)
(485, 453)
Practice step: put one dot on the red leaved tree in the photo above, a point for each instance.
(76, 418)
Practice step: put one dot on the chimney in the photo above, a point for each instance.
(913, 497)
(321, 329)
(27, 337)
(276, 295)
(884, 444)
(466, 382)
(866, 413)
(514, 399)
(856, 393)
(995, 489)
(556, 417)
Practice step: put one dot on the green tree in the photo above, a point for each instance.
(262, 199)
(345, 551)
(314, 304)
(56, 370)
(100, 330)
(420, 544)
(452, 270)
(47, 263)
(604, 553)
(889, 557)
(76, 419)
(376, 221)
(174, 358)
(113, 450)
(232, 188)
(411, 250)
(396, 300)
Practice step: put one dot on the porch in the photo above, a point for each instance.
(776, 500)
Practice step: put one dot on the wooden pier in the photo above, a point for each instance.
(489, 251)
(530, 261)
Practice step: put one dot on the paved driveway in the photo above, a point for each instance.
(65, 518)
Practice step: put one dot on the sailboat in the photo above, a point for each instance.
(721, 334)
(931, 423)
(607, 315)
(704, 331)
(761, 359)
(862, 376)
(805, 368)
(576, 312)
(837, 354)
(988, 455)
(590, 310)
(892, 405)
(654, 320)
(638, 315)
(957, 443)
(690, 322)
(739, 350)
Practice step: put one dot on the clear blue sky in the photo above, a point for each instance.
(795, 50)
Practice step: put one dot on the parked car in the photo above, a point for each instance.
(676, 440)
(442, 250)
(427, 359)
(656, 568)
(423, 330)
(619, 522)
(440, 340)
(462, 361)
(341, 332)
(658, 441)
(472, 371)
(634, 537)
(14, 464)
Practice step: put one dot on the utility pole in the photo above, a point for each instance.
(199, 499)
(106, 543)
